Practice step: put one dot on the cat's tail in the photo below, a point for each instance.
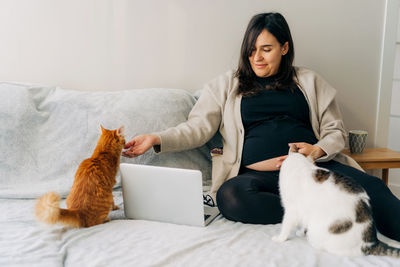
(382, 249)
(48, 210)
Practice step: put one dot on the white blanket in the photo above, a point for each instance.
(24, 242)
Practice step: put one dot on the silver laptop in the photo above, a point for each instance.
(164, 194)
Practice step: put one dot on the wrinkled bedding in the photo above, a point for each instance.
(121, 242)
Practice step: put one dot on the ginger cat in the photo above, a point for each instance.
(90, 199)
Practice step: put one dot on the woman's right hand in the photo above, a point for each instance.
(140, 144)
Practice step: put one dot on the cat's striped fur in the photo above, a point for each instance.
(90, 199)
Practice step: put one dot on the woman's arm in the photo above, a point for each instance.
(202, 124)
(204, 120)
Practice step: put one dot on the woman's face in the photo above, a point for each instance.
(267, 54)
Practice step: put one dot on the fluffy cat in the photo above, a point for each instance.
(334, 210)
(90, 199)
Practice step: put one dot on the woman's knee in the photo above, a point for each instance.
(368, 182)
(227, 193)
(229, 199)
(374, 184)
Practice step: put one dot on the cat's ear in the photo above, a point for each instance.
(293, 148)
(121, 130)
(102, 128)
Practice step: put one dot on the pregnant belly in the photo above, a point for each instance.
(272, 164)
(265, 143)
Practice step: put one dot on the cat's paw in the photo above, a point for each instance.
(115, 207)
(278, 238)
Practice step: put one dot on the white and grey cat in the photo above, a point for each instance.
(333, 209)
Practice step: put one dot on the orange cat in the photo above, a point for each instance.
(90, 199)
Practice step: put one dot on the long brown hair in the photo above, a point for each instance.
(276, 24)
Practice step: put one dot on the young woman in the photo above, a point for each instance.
(258, 110)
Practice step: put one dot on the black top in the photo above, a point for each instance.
(271, 120)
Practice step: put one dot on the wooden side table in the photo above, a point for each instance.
(377, 158)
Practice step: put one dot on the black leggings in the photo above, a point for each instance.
(253, 197)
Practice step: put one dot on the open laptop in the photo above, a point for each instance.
(164, 194)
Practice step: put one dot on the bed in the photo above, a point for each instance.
(46, 131)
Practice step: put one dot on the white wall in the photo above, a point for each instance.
(112, 45)
(394, 128)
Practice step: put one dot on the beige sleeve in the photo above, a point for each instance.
(203, 121)
(331, 127)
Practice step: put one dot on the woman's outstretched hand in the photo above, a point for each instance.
(140, 144)
(308, 149)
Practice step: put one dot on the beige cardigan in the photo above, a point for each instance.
(218, 108)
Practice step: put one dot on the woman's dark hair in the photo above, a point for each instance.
(276, 24)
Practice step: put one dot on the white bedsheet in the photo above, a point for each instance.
(121, 242)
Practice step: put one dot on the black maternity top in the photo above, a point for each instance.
(271, 120)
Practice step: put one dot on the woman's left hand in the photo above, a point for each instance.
(308, 149)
